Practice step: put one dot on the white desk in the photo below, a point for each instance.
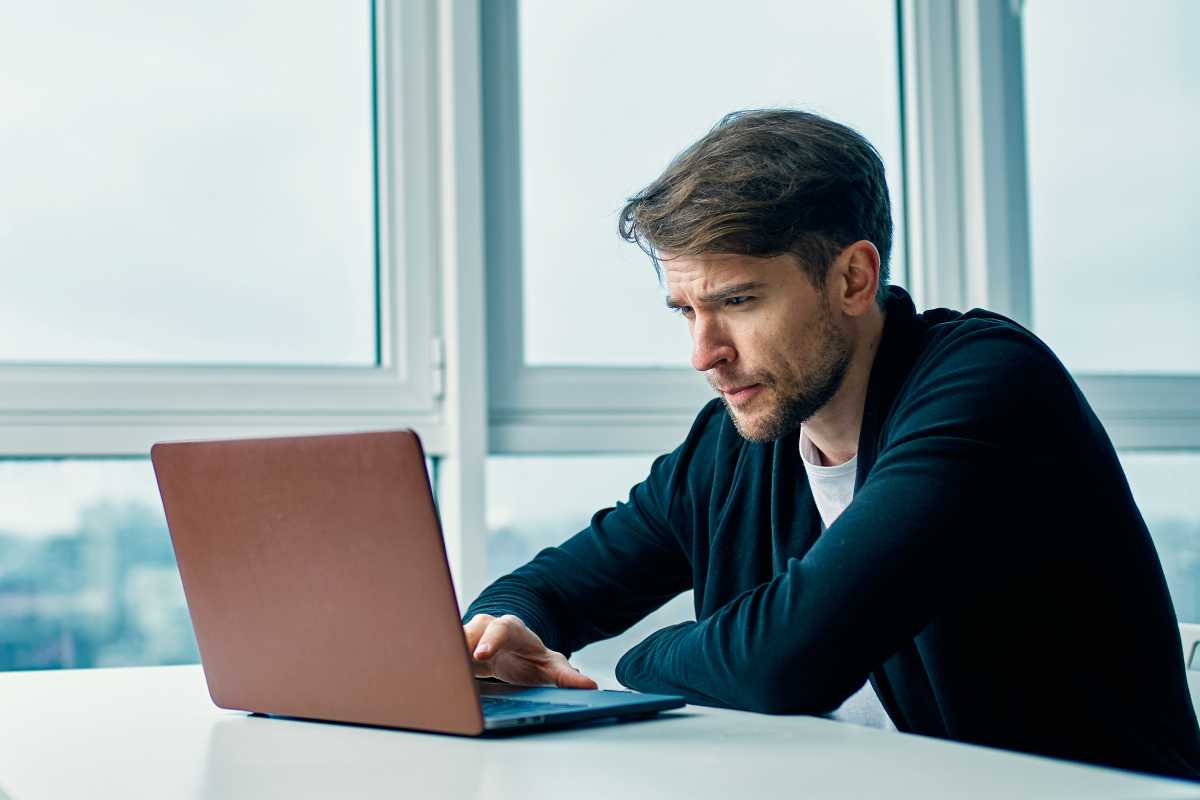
(153, 733)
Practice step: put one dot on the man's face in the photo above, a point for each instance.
(763, 335)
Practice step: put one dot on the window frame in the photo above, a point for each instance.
(451, 291)
(969, 205)
(121, 409)
(559, 409)
(431, 281)
(548, 409)
(967, 243)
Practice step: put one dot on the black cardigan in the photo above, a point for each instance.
(992, 576)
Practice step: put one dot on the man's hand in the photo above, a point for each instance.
(502, 647)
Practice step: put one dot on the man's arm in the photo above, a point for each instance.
(929, 528)
(628, 562)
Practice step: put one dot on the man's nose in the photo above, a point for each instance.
(710, 345)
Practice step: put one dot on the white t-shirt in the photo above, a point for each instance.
(833, 489)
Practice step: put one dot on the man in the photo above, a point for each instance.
(924, 501)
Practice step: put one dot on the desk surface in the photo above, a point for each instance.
(153, 732)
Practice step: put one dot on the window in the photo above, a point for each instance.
(586, 103)
(351, 165)
(201, 193)
(1111, 200)
(204, 229)
(87, 573)
(1164, 487)
(207, 229)
(87, 569)
(1112, 106)
(607, 99)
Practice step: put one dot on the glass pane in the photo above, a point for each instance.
(87, 572)
(1164, 485)
(611, 90)
(1112, 108)
(537, 502)
(187, 183)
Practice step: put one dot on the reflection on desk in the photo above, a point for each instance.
(153, 732)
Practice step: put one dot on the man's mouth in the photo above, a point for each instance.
(740, 394)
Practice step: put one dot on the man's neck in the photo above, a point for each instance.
(835, 428)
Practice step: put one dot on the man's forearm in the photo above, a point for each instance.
(720, 662)
(652, 666)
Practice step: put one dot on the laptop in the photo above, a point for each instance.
(318, 587)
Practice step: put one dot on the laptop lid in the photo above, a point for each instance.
(316, 579)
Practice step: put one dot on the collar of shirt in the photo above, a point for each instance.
(812, 459)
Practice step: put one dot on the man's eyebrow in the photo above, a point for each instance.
(723, 294)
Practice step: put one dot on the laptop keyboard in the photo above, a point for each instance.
(502, 705)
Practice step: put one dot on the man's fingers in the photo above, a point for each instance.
(570, 679)
(474, 629)
(567, 677)
(494, 637)
(526, 660)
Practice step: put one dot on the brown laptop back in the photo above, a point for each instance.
(317, 580)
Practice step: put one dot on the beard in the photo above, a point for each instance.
(797, 397)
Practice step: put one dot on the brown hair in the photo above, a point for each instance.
(764, 183)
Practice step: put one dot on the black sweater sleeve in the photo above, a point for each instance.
(929, 526)
(624, 565)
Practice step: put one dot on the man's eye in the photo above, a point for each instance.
(685, 311)
(737, 301)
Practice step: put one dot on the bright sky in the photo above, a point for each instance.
(184, 183)
(39, 498)
(1112, 109)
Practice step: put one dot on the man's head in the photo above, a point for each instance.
(774, 231)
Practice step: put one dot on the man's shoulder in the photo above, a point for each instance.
(982, 367)
(985, 339)
(942, 322)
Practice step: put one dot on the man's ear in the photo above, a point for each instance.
(857, 270)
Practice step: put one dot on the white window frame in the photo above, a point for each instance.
(120, 410)
(969, 200)
(557, 409)
(462, 382)
(432, 376)
(544, 409)
(967, 238)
